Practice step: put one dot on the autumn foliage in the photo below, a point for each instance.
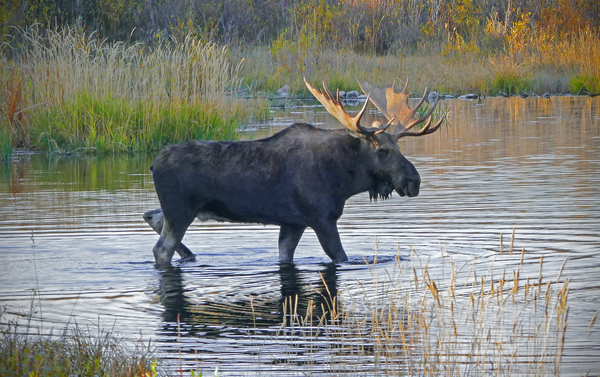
(452, 46)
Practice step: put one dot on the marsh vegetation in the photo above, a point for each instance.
(77, 350)
(69, 91)
(110, 78)
(133, 76)
(475, 318)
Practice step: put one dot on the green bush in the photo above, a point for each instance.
(510, 84)
(584, 84)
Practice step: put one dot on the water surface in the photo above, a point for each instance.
(75, 248)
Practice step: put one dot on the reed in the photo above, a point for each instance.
(79, 351)
(470, 319)
(510, 76)
(67, 90)
(582, 58)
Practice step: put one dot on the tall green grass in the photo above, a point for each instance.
(111, 124)
(67, 90)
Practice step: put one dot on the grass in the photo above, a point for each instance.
(76, 351)
(70, 91)
(584, 84)
(64, 90)
(528, 60)
(577, 58)
(111, 124)
(265, 70)
(510, 76)
(474, 319)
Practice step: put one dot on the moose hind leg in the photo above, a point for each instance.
(289, 236)
(156, 220)
(170, 238)
(329, 237)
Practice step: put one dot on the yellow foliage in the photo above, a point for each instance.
(456, 46)
(465, 15)
(317, 19)
(519, 35)
(563, 18)
(497, 29)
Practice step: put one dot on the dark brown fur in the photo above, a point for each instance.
(301, 177)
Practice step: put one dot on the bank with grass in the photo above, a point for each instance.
(67, 91)
(136, 76)
(77, 351)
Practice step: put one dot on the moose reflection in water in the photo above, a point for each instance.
(300, 177)
(181, 303)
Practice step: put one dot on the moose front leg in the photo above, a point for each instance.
(329, 237)
(156, 221)
(289, 236)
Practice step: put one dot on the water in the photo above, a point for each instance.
(75, 248)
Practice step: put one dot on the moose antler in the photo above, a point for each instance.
(334, 106)
(394, 106)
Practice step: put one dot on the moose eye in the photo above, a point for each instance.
(382, 153)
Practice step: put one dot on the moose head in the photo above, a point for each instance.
(391, 170)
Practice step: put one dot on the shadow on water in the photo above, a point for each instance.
(208, 318)
(304, 288)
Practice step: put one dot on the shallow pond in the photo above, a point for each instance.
(75, 248)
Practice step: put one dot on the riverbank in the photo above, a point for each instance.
(65, 90)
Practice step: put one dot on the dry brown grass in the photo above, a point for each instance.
(77, 351)
(339, 69)
(470, 73)
(68, 61)
(475, 318)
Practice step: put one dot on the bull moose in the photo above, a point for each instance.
(300, 177)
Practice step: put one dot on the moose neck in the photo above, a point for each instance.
(360, 165)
